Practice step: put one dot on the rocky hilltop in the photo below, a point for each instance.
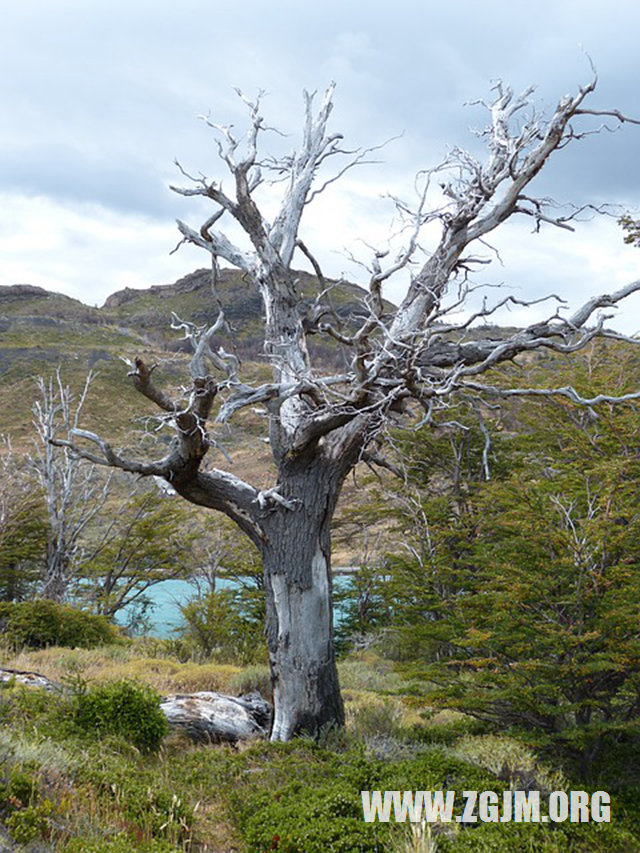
(147, 313)
(41, 330)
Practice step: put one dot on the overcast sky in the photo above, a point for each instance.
(100, 96)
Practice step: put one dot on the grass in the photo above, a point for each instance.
(98, 666)
(83, 795)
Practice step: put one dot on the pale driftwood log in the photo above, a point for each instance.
(322, 425)
(30, 679)
(215, 718)
(206, 717)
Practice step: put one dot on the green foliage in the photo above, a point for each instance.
(23, 543)
(114, 799)
(252, 679)
(226, 625)
(28, 706)
(308, 801)
(17, 789)
(26, 814)
(117, 844)
(156, 811)
(445, 732)
(522, 593)
(631, 227)
(362, 604)
(23, 529)
(151, 540)
(41, 623)
(297, 821)
(125, 709)
(376, 718)
(30, 823)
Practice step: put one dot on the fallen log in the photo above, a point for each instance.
(215, 717)
(206, 717)
(31, 679)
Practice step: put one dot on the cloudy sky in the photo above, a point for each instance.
(100, 96)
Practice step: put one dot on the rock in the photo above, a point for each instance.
(42, 320)
(214, 717)
(120, 297)
(24, 291)
(98, 355)
(194, 281)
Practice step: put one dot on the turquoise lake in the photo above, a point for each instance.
(167, 597)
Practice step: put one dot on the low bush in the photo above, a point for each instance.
(41, 623)
(30, 823)
(17, 789)
(117, 844)
(226, 626)
(122, 708)
(374, 717)
(252, 679)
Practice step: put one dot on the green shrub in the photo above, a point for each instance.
(16, 791)
(226, 625)
(122, 708)
(30, 823)
(116, 844)
(41, 623)
(444, 731)
(376, 717)
(24, 708)
(308, 821)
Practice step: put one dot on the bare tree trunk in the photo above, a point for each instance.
(299, 607)
(73, 494)
(58, 572)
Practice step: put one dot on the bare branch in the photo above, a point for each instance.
(567, 391)
(217, 244)
(615, 113)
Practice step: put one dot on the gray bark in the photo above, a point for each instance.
(298, 588)
(211, 717)
(72, 491)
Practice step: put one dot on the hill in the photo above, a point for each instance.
(41, 331)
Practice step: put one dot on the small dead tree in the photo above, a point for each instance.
(321, 425)
(73, 492)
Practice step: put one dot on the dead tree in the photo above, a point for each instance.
(73, 493)
(320, 425)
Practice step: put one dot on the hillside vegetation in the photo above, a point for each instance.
(489, 641)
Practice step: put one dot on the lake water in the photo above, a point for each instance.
(167, 597)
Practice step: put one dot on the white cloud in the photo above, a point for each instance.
(85, 251)
(99, 98)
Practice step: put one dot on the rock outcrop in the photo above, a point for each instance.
(30, 679)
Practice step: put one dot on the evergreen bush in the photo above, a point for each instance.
(42, 623)
(125, 709)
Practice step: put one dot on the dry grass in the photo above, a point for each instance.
(112, 663)
(416, 838)
(508, 758)
(368, 671)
